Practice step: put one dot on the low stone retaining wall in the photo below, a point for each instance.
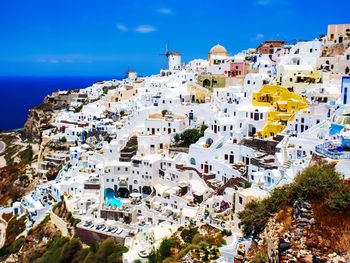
(60, 224)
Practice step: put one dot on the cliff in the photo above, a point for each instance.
(39, 119)
(306, 221)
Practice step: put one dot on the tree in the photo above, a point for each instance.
(109, 247)
(70, 249)
(188, 233)
(177, 137)
(63, 139)
(190, 136)
(165, 247)
(164, 112)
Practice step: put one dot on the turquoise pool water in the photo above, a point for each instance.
(113, 202)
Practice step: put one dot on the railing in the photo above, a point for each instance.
(324, 149)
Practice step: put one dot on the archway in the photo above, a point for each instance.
(206, 83)
(251, 130)
(193, 161)
(209, 142)
(109, 193)
(123, 192)
(146, 190)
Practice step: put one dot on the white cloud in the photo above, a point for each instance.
(121, 27)
(165, 11)
(145, 29)
(259, 36)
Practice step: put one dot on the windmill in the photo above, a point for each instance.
(126, 72)
(166, 54)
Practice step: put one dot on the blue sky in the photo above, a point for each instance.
(103, 38)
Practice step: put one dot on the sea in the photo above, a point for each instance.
(19, 94)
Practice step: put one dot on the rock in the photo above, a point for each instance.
(298, 233)
(306, 259)
(313, 242)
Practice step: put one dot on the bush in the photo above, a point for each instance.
(70, 249)
(62, 249)
(340, 201)
(12, 248)
(316, 182)
(197, 238)
(226, 232)
(257, 212)
(54, 249)
(165, 247)
(27, 155)
(63, 139)
(190, 136)
(187, 234)
(260, 257)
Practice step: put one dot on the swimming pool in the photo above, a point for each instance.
(110, 198)
(113, 202)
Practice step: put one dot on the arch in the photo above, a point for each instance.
(109, 193)
(206, 83)
(146, 190)
(251, 130)
(193, 161)
(209, 141)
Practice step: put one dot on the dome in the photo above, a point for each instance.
(218, 50)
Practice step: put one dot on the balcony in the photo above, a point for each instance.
(332, 151)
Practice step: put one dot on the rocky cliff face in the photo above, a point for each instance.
(39, 119)
(297, 238)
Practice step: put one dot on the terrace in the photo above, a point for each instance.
(333, 150)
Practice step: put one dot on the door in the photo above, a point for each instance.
(232, 158)
(206, 169)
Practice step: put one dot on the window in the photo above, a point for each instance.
(240, 200)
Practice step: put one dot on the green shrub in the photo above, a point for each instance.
(190, 136)
(54, 249)
(187, 234)
(340, 201)
(12, 248)
(165, 247)
(27, 155)
(316, 182)
(69, 250)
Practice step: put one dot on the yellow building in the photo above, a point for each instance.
(198, 94)
(284, 104)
